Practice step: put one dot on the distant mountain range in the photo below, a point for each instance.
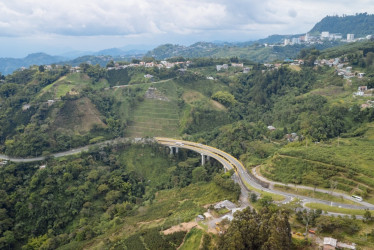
(8, 65)
(359, 24)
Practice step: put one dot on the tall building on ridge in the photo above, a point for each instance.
(325, 35)
(350, 37)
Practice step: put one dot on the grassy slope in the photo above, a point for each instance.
(155, 117)
(170, 207)
(165, 118)
(78, 116)
(192, 240)
(352, 158)
(72, 82)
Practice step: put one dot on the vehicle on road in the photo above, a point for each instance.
(357, 197)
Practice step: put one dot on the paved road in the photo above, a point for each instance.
(136, 84)
(66, 153)
(227, 160)
(246, 178)
(255, 172)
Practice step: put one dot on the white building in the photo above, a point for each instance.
(295, 40)
(325, 35)
(306, 37)
(287, 42)
(350, 37)
(224, 66)
(336, 36)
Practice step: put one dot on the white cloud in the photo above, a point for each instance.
(119, 17)
(167, 20)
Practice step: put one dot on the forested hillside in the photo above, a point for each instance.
(300, 122)
(360, 24)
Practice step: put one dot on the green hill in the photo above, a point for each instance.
(124, 196)
(360, 24)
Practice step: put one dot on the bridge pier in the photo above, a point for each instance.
(202, 159)
(172, 150)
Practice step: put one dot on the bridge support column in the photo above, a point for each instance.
(171, 150)
(208, 158)
(202, 159)
(176, 150)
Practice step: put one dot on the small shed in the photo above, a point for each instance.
(225, 204)
(329, 243)
(271, 128)
(200, 217)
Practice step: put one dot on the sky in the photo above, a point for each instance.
(60, 26)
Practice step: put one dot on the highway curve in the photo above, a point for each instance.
(227, 160)
(245, 178)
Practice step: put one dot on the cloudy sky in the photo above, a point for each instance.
(58, 26)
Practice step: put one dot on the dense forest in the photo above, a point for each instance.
(77, 199)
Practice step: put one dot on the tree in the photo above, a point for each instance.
(266, 201)
(110, 64)
(333, 185)
(224, 97)
(41, 68)
(367, 216)
(8, 239)
(253, 197)
(314, 179)
(251, 230)
(199, 174)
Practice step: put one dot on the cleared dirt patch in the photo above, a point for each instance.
(186, 226)
(218, 105)
(295, 67)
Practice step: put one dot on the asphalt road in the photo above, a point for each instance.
(227, 160)
(246, 178)
(65, 153)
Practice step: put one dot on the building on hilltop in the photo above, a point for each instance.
(350, 37)
(221, 67)
(325, 35)
(295, 40)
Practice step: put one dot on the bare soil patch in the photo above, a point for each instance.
(186, 226)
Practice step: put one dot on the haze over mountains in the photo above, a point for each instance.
(359, 24)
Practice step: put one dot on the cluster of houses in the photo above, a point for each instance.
(48, 102)
(341, 70)
(117, 66)
(162, 64)
(364, 91)
(235, 65)
(226, 204)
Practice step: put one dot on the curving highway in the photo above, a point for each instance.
(228, 161)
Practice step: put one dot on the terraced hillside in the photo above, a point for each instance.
(154, 117)
(158, 114)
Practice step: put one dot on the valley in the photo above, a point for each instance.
(101, 158)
